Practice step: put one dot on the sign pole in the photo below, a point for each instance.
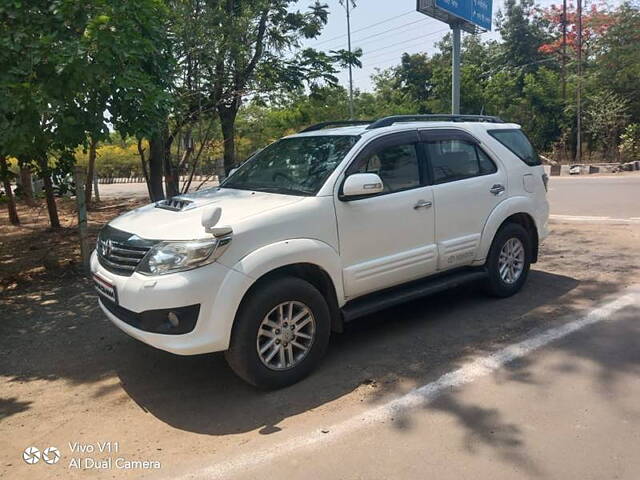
(455, 71)
(472, 16)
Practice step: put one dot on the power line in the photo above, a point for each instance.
(396, 57)
(405, 41)
(365, 27)
(368, 39)
(370, 57)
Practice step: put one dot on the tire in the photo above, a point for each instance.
(249, 333)
(496, 285)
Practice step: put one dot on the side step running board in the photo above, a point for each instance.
(387, 298)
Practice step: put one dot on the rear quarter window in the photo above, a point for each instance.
(516, 141)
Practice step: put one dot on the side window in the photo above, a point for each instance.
(397, 166)
(486, 164)
(518, 143)
(453, 160)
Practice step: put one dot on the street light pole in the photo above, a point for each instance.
(579, 87)
(564, 51)
(455, 71)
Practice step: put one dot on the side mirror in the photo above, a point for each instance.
(210, 217)
(360, 184)
(232, 171)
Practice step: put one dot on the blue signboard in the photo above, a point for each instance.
(477, 12)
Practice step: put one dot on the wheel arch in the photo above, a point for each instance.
(311, 260)
(513, 210)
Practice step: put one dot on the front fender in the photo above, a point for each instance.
(289, 252)
(504, 210)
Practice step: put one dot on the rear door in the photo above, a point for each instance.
(388, 239)
(467, 185)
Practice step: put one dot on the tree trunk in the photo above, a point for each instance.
(171, 175)
(143, 164)
(90, 172)
(227, 115)
(156, 163)
(11, 202)
(48, 193)
(27, 186)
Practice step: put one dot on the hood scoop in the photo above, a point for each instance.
(175, 204)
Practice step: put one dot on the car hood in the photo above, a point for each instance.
(180, 217)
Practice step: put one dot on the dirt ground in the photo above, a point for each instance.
(67, 375)
(33, 253)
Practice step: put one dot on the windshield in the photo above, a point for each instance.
(296, 166)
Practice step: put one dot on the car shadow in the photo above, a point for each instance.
(417, 341)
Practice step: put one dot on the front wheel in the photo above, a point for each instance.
(508, 261)
(281, 332)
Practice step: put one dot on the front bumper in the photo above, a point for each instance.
(217, 289)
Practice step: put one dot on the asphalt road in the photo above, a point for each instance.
(540, 416)
(617, 197)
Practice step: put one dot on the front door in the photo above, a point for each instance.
(388, 239)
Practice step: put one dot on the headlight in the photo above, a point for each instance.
(171, 257)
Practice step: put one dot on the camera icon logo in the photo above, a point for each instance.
(31, 455)
(51, 455)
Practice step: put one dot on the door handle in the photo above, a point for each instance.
(422, 204)
(497, 189)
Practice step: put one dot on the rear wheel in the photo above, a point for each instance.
(508, 261)
(281, 332)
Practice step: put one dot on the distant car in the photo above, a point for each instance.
(320, 228)
(574, 170)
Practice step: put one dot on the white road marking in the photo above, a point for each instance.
(469, 372)
(591, 219)
(593, 177)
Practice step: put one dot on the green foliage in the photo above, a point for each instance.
(66, 63)
(630, 142)
(606, 117)
(617, 61)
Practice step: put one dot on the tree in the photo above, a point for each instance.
(5, 176)
(523, 29)
(617, 62)
(253, 48)
(606, 117)
(65, 65)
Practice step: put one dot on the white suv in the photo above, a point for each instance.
(320, 228)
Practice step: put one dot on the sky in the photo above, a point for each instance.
(384, 29)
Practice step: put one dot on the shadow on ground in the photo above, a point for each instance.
(383, 354)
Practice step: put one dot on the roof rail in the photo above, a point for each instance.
(387, 121)
(340, 123)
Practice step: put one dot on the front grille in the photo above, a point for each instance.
(121, 252)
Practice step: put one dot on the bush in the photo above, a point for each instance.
(630, 142)
(115, 161)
